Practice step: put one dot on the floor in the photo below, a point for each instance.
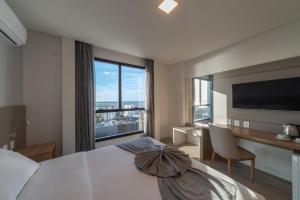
(271, 187)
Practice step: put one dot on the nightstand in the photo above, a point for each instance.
(39, 152)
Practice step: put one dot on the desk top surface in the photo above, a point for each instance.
(264, 137)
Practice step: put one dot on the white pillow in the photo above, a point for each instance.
(15, 171)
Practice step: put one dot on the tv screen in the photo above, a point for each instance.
(282, 94)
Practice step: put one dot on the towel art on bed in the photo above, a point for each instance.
(177, 179)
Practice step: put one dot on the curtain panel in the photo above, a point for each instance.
(84, 94)
(149, 102)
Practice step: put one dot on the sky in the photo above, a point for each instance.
(133, 82)
(201, 92)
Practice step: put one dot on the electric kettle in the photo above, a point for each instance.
(291, 130)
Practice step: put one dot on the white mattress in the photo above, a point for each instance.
(107, 173)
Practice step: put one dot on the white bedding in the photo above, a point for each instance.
(108, 173)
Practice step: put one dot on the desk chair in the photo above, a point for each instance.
(224, 144)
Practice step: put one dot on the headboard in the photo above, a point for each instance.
(9, 116)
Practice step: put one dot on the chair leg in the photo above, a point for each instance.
(229, 163)
(252, 169)
(213, 155)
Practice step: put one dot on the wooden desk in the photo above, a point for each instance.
(259, 136)
(269, 139)
(263, 137)
(39, 152)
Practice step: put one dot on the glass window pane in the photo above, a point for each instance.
(196, 85)
(202, 99)
(118, 123)
(107, 85)
(201, 113)
(204, 92)
(133, 87)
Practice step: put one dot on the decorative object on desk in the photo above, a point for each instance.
(291, 130)
(282, 137)
(13, 133)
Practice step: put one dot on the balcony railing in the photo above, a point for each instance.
(118, 124)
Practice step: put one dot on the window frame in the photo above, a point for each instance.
(120, 64)
(210, 99)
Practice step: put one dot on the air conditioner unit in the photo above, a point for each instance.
(10, 26)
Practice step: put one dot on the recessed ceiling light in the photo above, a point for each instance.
(167, 5)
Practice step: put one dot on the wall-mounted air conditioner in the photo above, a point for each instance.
(10, 26)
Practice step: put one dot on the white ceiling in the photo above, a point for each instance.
(137, 27)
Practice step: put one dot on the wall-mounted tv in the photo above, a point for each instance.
(282, 94)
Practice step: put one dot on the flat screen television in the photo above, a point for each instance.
(282, 94)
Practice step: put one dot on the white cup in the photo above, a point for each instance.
(297, 139)
(281, 136)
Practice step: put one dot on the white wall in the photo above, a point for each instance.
(107, 54)
(10, 73)
(175, 98)
(277, 44)
(274, 45)
(160, 100)
(42, 88)
(68, 95)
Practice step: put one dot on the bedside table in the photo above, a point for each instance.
(39, 152)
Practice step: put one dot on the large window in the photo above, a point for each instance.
(202, 96)
(120, 99)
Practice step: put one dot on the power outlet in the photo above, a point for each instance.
(229, 122)
(12, 144)
(246, 124)
(236, 122)
(5, 146)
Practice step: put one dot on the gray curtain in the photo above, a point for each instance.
(84, 94)
(149, 104)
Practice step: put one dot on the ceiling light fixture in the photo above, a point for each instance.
(167, 5)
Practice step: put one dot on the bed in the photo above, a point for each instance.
(107, 173)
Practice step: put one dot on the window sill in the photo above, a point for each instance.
(119, 140)
(118, 136)
(202, 120)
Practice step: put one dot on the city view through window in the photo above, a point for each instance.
(202, 104)
(120, 99)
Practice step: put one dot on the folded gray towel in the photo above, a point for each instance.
(163, 161)
(195, 185)
(177, 180)
(137, 146)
